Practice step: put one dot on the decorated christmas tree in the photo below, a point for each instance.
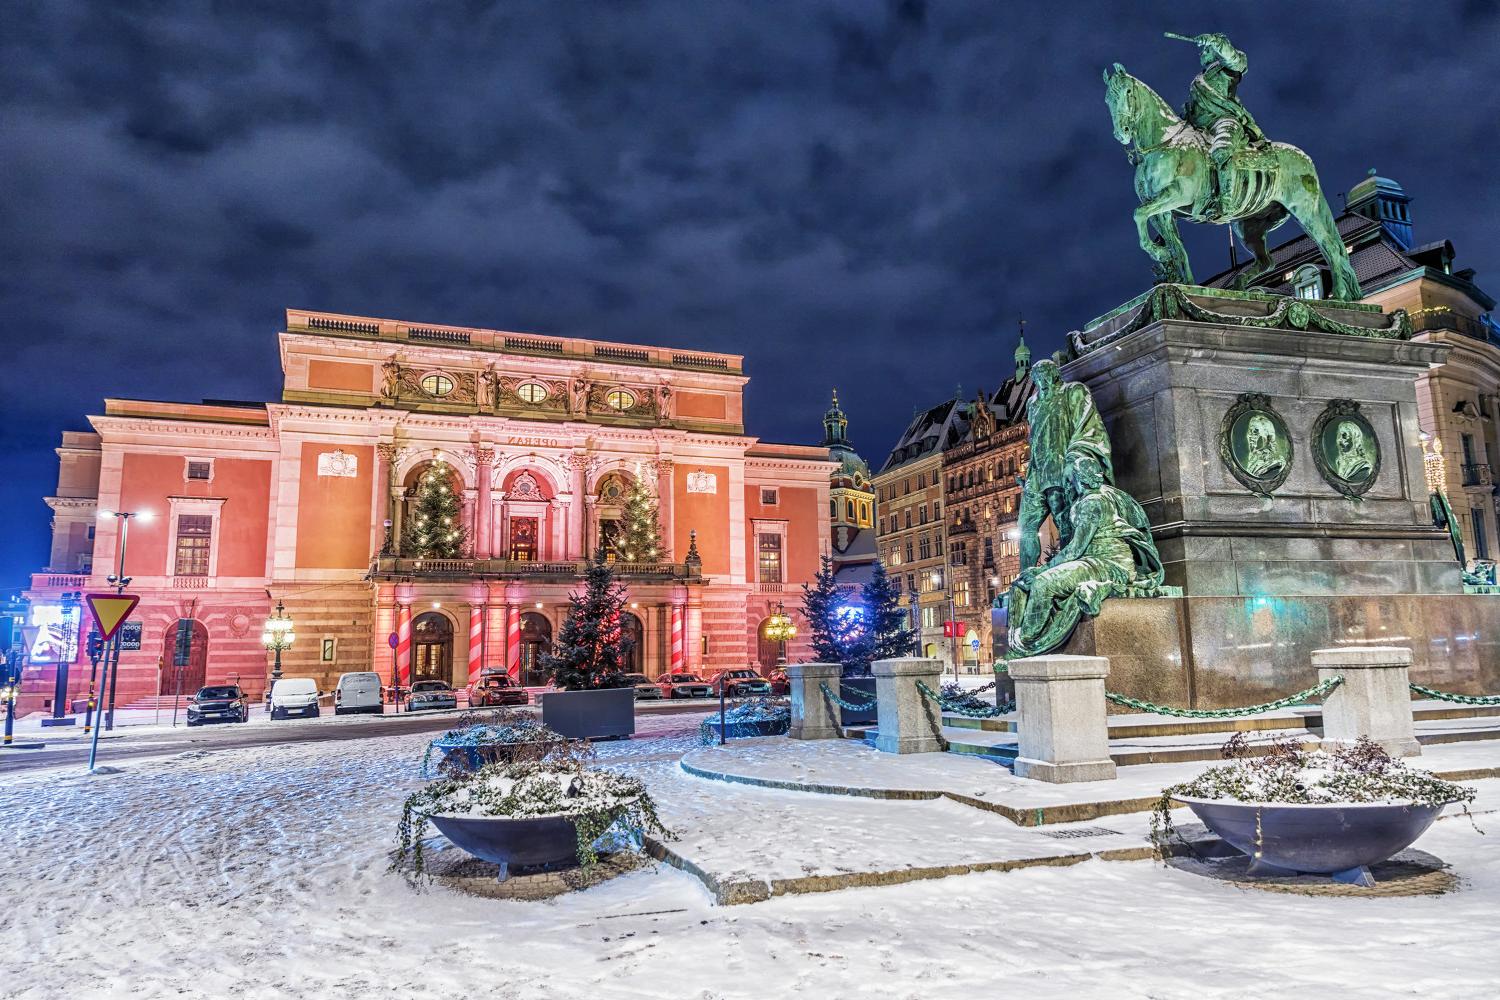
(639, 539)
(887, 634)
(434, 524)
(592, 648)
(836, 622)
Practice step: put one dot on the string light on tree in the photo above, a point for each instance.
(640, 537)
(435, 531)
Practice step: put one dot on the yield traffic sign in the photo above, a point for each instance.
(111, 610)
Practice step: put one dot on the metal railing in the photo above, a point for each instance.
(1476, 474)
(402, 566)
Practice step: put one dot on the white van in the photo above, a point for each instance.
(294, 696)
(357, 692)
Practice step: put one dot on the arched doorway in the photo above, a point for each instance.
(536, 642)
(767, 650)
(194, 674)
(431, 647)
(631, 626)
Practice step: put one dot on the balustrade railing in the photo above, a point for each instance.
(1476, 474)
(469, 568)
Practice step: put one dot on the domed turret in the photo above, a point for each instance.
(1023, 354)
(1385, 201)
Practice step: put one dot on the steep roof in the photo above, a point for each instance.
(932, 430)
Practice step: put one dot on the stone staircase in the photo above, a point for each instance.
(165, 702)
(1138, 738)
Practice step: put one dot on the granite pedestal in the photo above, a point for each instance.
(1063, 732)
(907, 719)
(1373, 700)
(812, 715)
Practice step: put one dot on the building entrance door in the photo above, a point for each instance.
(536, 642)
(431, 648)
(523, 539)
(194, 675)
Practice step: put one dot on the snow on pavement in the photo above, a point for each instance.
(261, 873)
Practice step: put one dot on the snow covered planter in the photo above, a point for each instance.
(1332, 813)
(535, 813)
(499, 737)
(751, 717)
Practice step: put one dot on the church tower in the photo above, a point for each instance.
(851, 496)
(1023, 354)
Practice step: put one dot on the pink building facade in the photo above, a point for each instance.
(302, 501)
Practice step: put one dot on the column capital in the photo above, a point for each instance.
(391, 452)
(480, 456)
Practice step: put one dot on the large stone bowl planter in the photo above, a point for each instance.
(540, 841)
(1341, 839)
(746, 728)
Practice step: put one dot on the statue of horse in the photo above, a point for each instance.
(1260, 187)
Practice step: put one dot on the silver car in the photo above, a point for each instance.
(431, 694)
(645, 688)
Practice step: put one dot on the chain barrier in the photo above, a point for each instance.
(988, 712)
(851, 706)
(1316, 691)
(1462, 699)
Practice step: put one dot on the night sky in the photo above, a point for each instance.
(860, 194)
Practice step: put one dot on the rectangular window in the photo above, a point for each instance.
(961, 593)
(922, 514)
(770, 558)
(1481, 544)
(908, 517)
(194, 539)
(929, 617)
(908, 550)
(924, 546)
(849, 509)
(768, 496)
(200, 470)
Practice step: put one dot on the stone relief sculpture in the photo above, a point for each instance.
(579, 398)
(489, 389)
(1105, 546)
(1345, 448)
(1255, 445)
(1214, 164)
(390, 378)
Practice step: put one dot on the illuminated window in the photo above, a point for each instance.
(770, 557)
(437, 385)
(531, 392)
(620, 399)
(195, 533)
(1308, 284)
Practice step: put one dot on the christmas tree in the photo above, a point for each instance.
(886, 634)
(639, 539)
(836, 624)
(592, 647)
(434, 523)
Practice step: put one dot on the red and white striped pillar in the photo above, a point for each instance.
(403, 644)
(513, 640)
(476, 641)
(677, 652)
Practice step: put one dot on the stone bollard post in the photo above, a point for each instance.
(1064, 724)
(908, 721)
(812, 717)
(1374, 699)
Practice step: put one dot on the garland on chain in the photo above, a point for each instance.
(953, 707)
(1462, 699)
(851, 706)
(1316, 691)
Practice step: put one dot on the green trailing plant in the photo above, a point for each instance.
(521, 734)
(595, 800)
(1287, 774)
(593, 647)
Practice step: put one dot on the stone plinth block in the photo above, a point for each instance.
(908, 721)
(1374, 700)
(1064, 726)
(813, 718)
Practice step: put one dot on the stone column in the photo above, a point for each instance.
(1064, 727)
(383, 455)
(813, 718)
(908, 720)
(484, 461)
(579, 517)
(1374, 699)
(664, 507)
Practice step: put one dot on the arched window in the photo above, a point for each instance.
(631, 626)
(1307, 283)
(431, 647)
(536, 642)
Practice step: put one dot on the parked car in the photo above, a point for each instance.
(739, 682)
(781, 684)
(357, 692)
(219, 703)
(495, 687)
(682, 685)
(431, 694)
(294, 696)
(644, 686)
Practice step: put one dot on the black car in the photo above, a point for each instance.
(219, 703)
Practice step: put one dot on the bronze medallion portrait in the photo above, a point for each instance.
(1255, 445)
(1345, 448)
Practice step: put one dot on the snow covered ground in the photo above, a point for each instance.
(260, 873)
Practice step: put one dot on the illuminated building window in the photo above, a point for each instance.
(770, 558)
(531, 392)
(620, 399)
(437, 385)
(195, 534)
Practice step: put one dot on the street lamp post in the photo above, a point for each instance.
(939, 579)
(277, 635)
(781, 629)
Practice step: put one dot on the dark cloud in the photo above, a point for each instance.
(858, 193)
